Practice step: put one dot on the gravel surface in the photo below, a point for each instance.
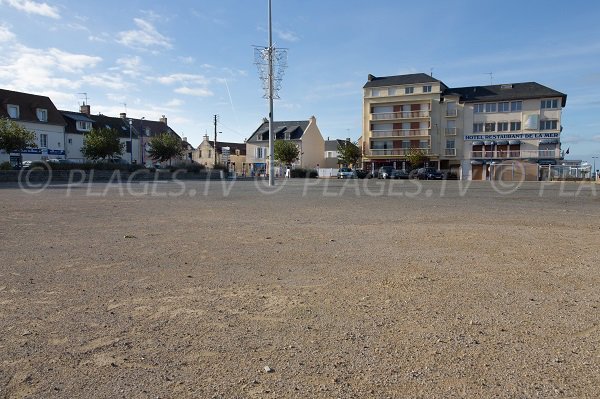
(324, 289)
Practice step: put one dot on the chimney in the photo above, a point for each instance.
(184, 138)
(348, 139)
(265, 120)
(206, 138)
(370, 78)
(312, 119)
(163, 119)
(85, 109)
(123, 115)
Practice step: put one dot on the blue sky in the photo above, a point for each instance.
(190, 59)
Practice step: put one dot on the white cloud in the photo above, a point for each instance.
(130, 66)
(36, 69)
(145, 37)
(186, 60)
(5, 34)
(106, 80)
(183, 78)
(194, 91)
(287, 35)
(174, 103)
(33, 7)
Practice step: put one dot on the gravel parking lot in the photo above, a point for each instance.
(323, 288)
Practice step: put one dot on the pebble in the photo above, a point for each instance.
(268, 369)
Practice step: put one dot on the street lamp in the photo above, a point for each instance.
(595, 171)
(141, 138)
(130, 143)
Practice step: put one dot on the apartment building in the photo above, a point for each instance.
(37, 114)
(478, 132)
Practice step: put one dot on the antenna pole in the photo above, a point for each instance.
(271, 138)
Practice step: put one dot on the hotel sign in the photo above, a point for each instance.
(514, 136)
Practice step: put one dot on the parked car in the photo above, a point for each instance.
(399, 174)
(429, 174)
(385, 172)
(26, 164)
(346, 173)
(361, 174)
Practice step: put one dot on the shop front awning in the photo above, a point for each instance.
(549, 141)
(502, 142)
(478, 143)
(514, 142)
(489, 142)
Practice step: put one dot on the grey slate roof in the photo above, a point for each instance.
(294, 128)
(232, 146)
(120, 125)
(399, 80)
(28, 104)
(505, 92)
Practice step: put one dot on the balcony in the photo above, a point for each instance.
(519, 154)
(450, 152)
(450, 131)
(388, 116)
(400, 133)
(398, 152)
(451, 113)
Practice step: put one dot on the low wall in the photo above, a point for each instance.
(84, 176)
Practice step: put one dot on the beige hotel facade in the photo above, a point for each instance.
(479, 132)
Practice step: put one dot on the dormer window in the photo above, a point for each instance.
(84, 126)
(13, 111)
(42, 114)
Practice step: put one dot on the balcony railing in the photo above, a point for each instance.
(450, 131)
(386, 116)
(451, 113)
(400, 133)
(450, 152)
(552, 154)
(400, 152)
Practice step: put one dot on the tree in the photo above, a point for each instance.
(101, 144)
(164, 147)
(416, 157)
(349, 153)
(14, 137)
(285, 151)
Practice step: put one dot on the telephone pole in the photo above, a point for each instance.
(215, 149)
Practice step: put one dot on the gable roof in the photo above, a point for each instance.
(294, 128)
(120, 125)
(400, 80)
(28, 104)
(71, 119)
(505, 92)
(232, 146)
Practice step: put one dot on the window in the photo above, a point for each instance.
(391, 91)
(409, 90)
(237, 152)
(128, 146)
(490, 107)
(13, 111)
(426, 89)
(84, 126)
(548, 125)
(550, 104)
(516, 106)
(478, 108)
(375, 92)
(405, 144)
(503, 126)
(504, 106)
(490, 127)
(210, 154)
(70, 141)
(260, 153)
(44, 140)
(515, 126)
(477, 127)
(450, 144)
(42, 114)
(424, 144)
